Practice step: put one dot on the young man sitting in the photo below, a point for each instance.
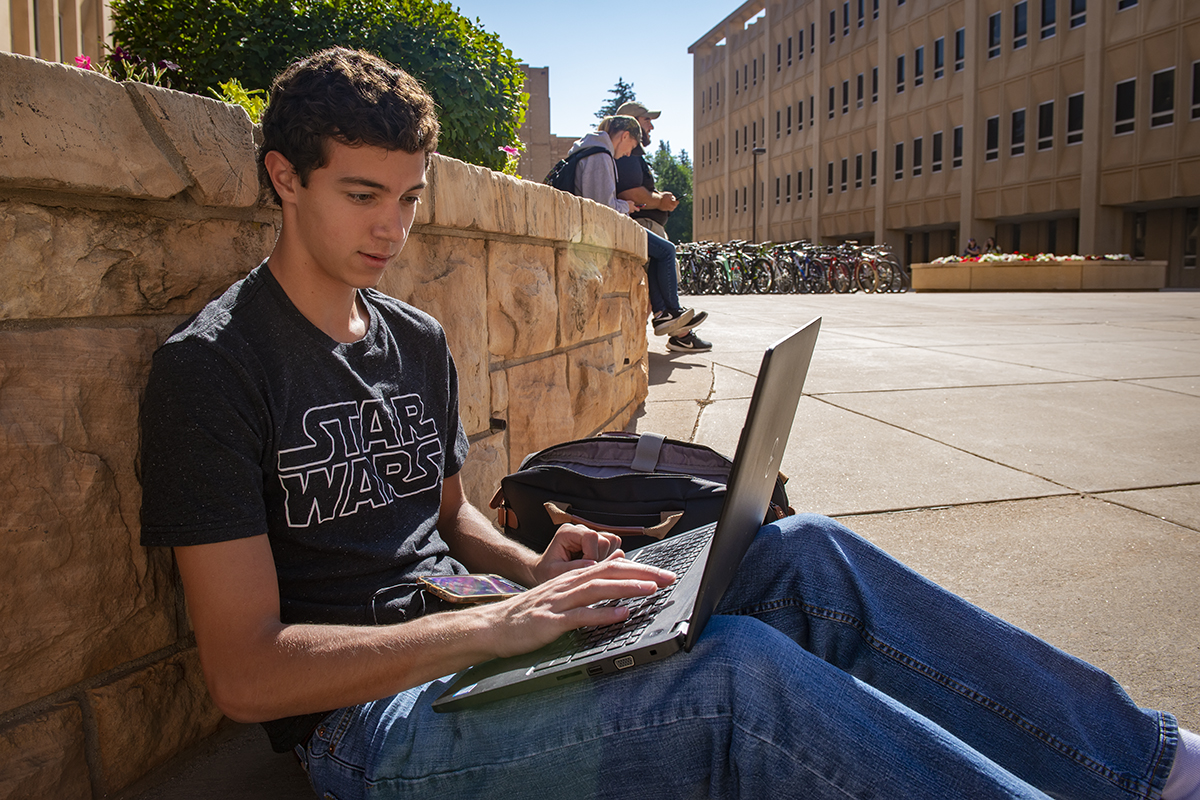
(301, 454)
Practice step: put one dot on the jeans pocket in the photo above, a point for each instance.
(329, 732)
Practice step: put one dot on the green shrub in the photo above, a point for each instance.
(475, 81)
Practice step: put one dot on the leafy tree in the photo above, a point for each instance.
(621, 93)
(475, 81)
(674, 175)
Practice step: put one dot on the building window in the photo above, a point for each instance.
(1020, 25)
(845, 97)
(845, 172)
(1124, 4)
(832, 100)
(737, 82)
(800, 45)
(789, 120)
(779, 57)
(935, 164)
(899, 74)
(743, 199)
(846, 18)
(994, 35)
(756, 72)
(812, 110)
(832, 27)
(745, 138)
(1078, 13)
(1045, 134)
(991, 147)
(1126, 107)
(1196, 90)
(1049, 16)
(736, 146)
(1018, 133)
(799, 185)
(1075, 118)
(939, 58)
(777, 191)
(918, 156)
(789, 51)
(812, 37)
(1191, 236)
(788, 188)
(1162, 98)
(859, 97)
(800, 115)
(899, 174)
(874, 165)
(862, 15)
(778, 124)
(956, 154)
(874, 84)
(960, 49)
(874, 9)
(810, 183)
(919, 67)
(829, 178)
(858, 171)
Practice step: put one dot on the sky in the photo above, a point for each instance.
(588, 46)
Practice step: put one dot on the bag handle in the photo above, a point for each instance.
(561, 515)
(649, 447)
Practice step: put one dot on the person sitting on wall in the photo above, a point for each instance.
(301, 452)
(990, 248)
(635, 184)
(596, 179)
(972, 250)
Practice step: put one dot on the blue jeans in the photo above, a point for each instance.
(831, 671)
(660, 274)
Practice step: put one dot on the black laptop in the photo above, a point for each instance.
(704, 559)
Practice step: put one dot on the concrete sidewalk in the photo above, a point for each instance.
(1036, 453)
(1039, 454)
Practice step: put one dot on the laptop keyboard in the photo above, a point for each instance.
(675, 554)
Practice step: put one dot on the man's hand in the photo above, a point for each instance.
(540, 615)
(667, 201)
(575, 547)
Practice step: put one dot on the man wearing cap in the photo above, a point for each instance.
(635, 185)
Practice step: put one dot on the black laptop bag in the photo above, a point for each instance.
(642, 487)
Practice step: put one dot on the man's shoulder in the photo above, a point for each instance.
(400, 315)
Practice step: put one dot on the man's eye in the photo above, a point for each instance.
(360, 198)
(411, 199)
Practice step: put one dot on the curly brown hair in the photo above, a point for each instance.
(349, 96)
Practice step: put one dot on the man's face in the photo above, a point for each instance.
(647, 126)
(356, 211)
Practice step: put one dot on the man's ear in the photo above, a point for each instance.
(283, 175)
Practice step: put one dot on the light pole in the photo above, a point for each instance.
(758, 151)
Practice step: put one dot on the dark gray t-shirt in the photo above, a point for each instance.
(255, 421)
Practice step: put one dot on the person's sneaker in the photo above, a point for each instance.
(691, 343)
(669, 322)
(696, 321)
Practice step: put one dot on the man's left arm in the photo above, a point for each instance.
(481, 548)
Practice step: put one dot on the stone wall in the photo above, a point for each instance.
(1039, 276)
(123, 209)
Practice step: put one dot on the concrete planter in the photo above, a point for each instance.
(1039, 276)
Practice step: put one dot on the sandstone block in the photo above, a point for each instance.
(522, 303)
(475, 198)
(486, 464)
(552, 214)
(214, 142)
(600, 224)
(499, 382)
(591, 377)
(580, 287)
(44, 757)
(81, 595)
(81, 263)
(539, 408)
(446, 276)
(72, 129)
(145, 718)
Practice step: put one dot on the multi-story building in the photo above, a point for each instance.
(1067, 126)
(55, 30)
(543, 149)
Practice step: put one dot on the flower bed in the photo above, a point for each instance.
(1045, 258)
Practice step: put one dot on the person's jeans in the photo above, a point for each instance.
(661, 277)
(831, 671)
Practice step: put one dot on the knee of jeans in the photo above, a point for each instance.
(807, 533)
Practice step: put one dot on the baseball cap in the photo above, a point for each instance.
(634, 109)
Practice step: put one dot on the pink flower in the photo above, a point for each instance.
(510, 150)
(83, 62)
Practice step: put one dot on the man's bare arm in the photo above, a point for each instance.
(258, 668)
(640, 195)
